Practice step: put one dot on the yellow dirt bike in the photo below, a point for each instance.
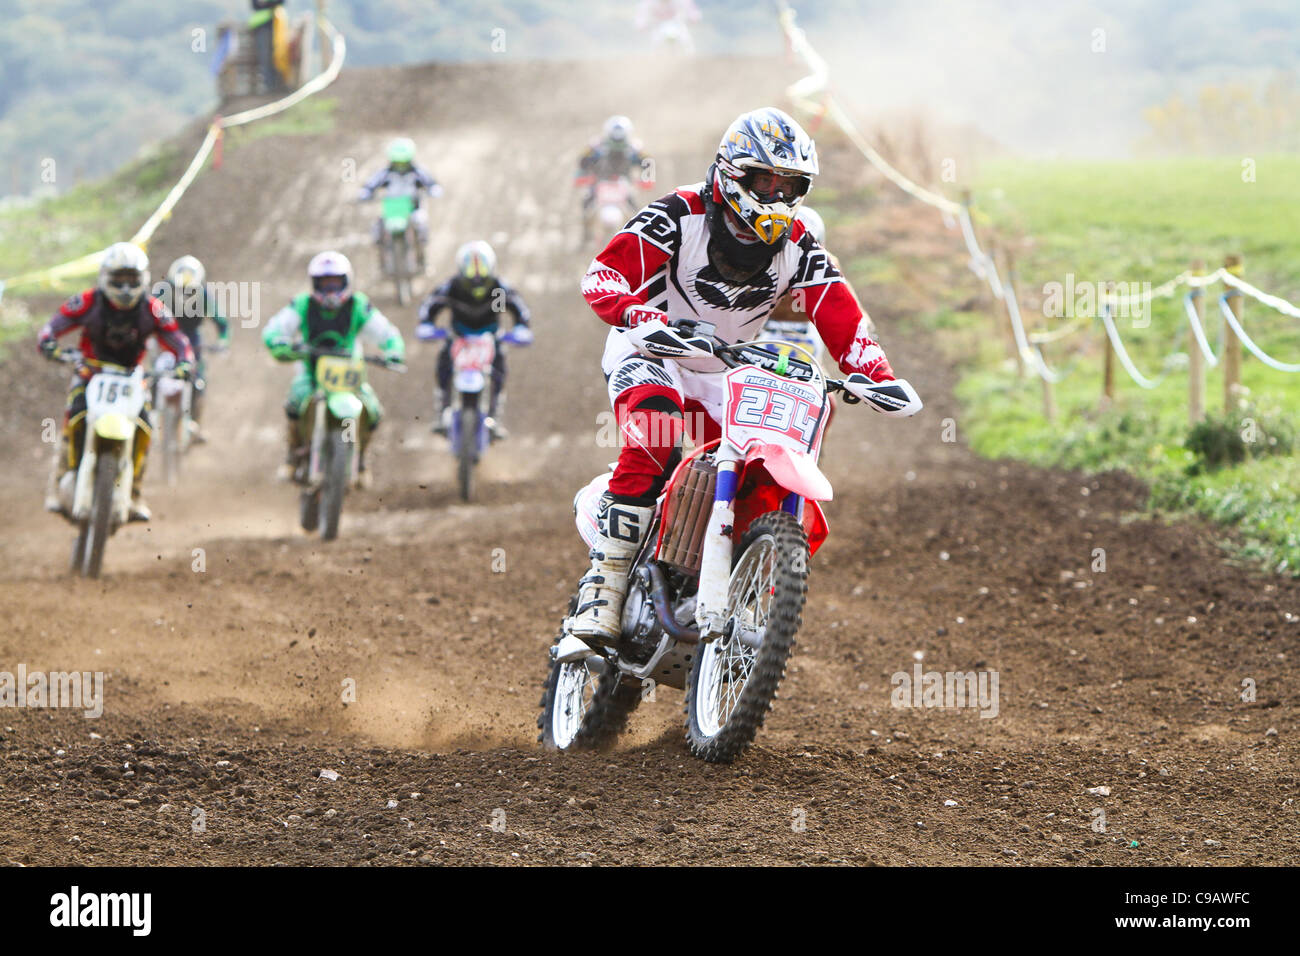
(96, 497)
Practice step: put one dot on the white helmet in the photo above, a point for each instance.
(812, 221)
(186, 273)
(618, 129)
(765, 166)
(124, 275)
(477, 265)
(325, 270)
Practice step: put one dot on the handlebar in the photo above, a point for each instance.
(894, 397)
(392, 365)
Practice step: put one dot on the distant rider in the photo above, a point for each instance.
(478, 299)
(402, 177)
(331, 316)
(115, 319)
(614, 155)
(723, 251)
(187, 297)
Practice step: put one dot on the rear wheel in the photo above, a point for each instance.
(337, 468)
(735, 677)
(585, 706)
(101, 515)
(309, 510)
(79, 548)
(467, 452)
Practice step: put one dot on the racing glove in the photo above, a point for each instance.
(285, 352)
(635, 315)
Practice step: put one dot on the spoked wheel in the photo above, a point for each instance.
(585, 706)
(467, 452)
(79, 547)
(735, 677)
(309, 510)
(338, 468)
(98, 528)
(401, 270)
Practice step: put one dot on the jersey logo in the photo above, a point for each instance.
(718, 293)
(654, 226)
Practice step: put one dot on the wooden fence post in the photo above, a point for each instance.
(1195, 360)
(1231, 344)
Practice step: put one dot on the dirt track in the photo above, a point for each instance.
(224, 686)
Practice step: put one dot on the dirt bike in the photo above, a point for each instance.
(399, 257)
(333, 419)
(610, 208)
(472, 357)
(716, 593)
(97, 496)
(172, 400)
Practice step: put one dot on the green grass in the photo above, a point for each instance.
(87, 217)
(90, 216)
(1144, 221)
(313, 116)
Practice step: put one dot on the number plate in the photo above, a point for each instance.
(765, 407)
(108, 392)
(473, 353)
(338, 374)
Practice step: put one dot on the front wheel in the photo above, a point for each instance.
(101, 515)
(467, 450)
(401, 269)
(585, 706)
(735, 677)
(337, 469)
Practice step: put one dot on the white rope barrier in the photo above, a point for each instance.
(812, 94)
(81, 266)
(1194, 320)
(1246, 340)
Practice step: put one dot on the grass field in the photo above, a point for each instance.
(1132, 221)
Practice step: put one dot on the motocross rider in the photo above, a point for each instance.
(402, 177)
(186, 295)
(115, 318)
(723, 251)
(331, 316)
(477, 298)
(615, 154)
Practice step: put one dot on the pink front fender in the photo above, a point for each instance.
(793, 471)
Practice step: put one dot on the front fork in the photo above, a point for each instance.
(715, 561)
(711, 608)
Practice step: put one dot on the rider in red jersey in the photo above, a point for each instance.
(723, 251)
(116, 319)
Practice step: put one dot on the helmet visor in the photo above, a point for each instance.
(768, 186)
(329, 285)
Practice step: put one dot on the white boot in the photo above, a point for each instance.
(602, 590)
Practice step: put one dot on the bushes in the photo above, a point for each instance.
(1230, 440)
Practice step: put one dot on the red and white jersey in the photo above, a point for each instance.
(660, 261)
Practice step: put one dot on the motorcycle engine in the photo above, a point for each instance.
(641, 630)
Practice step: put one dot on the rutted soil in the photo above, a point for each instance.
(224, 688)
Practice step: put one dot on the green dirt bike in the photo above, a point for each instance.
(333, 422)
(399, 255)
